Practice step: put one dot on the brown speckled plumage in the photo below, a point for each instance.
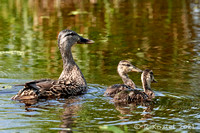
(71, 80)
(128, 96)
(123, 68)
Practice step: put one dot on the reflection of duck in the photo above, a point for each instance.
(71, 80)
(128, 96)
(69, 107)
(68, 117)
(123, 68)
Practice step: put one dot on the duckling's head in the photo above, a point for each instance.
(67, 38)
(125, 66)
(148, 76)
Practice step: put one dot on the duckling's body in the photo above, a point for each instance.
(128, 96)
(71, 80)
(123, 68)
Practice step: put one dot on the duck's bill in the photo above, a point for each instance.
(85, 41)
(135, 69)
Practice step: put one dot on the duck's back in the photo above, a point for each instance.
(114, 89)
(47, 88)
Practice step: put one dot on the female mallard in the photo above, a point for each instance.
(128, 96)
(71, 80)
(123, 68)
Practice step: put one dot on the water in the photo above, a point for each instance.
(161, 35)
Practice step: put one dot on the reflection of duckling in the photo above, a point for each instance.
(123, 68)
(128, 96)
(71, 80)
(129, 109)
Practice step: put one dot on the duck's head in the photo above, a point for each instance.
(125, 66)
(69, 38)
(148, 76)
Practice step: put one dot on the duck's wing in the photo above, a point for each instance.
(114, 89)
(63, 88)
(42, 83)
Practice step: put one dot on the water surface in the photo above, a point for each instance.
(161, 35)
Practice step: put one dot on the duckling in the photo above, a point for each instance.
(71, 80)
(147, 78)
(123, 68)
(128, 96)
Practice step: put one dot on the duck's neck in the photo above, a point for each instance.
(127, 81)
(147, 88)
(71, 71)
(67, 56)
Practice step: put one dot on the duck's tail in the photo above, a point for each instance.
(30, 90)
(26, 93)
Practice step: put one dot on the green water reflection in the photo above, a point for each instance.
(160, 35)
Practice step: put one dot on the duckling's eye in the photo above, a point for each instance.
(124, 64)
(128, 65)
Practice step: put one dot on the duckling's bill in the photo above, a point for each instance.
(135, 69)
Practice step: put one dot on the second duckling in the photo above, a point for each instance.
(123, 68)
(128, 96)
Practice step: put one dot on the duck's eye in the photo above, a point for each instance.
(71, 33)
(128, 65)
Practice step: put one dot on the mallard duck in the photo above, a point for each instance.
(123, 68)
(71, 80)
(128, 96)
